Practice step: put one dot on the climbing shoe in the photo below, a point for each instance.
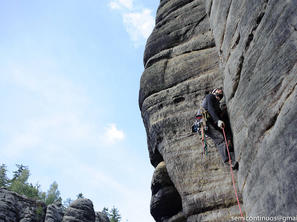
(235, 165)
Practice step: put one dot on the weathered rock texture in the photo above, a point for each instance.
(181, 65)
(257, 45)
(80, 210)
(18, 208)
(249, 47)
(165, 202)
(14, 207)
(54, 213)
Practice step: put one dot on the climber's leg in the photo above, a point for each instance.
(214, 133)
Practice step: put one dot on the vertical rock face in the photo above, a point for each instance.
(14, 207)
(249, 47)
(181, 65)
(257, 45)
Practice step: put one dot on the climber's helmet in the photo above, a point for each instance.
(218, 92)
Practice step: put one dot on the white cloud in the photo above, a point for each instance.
(127, 3)
(138, 22)
(112, 134)
(118, 4)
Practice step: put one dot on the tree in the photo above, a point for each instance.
(4, 181)
(105, 212)
(114, 215)
(53, 194)
(21, 174)
(20, 185)
(80, 195)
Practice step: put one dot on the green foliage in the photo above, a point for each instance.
(3, 176)
(42, 196)
(19, 183)
(113, 214)
(53, 194)
(105, 212)
(26, 189)
(22, 173)
(40, 213)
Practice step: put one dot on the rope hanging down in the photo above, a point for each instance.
(233, 181)
(204, 144)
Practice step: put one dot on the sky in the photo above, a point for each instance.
(69, 82)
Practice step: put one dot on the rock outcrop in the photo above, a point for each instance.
(249, 47)
(18, 208)
(80, 210)
(15, 207)
(165, 202)
(54, 213)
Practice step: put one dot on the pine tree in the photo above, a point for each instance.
(105, 211)
(19, 183)
(4, 181)
(114, 215)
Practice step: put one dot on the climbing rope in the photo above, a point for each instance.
(233, 181)
(205, 147)
(204, 144)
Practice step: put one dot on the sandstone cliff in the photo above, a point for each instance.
(250, 48)
(257, 46)
(14, 207)
(17, 208)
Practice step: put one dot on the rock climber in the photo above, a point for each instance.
(219, 119)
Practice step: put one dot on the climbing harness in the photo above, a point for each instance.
(233, 181)
(201, 127)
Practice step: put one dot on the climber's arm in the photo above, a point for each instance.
(212, 108)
